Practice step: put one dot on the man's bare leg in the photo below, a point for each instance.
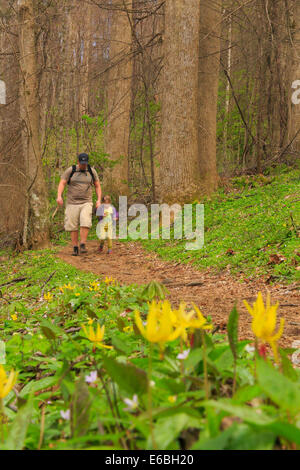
(84, 231)
(74, 238)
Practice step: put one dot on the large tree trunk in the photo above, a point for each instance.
(119, 96)
(36, 225)
(179, 163)
(227, 92)
(279, 74)
(295, 102)
(11, 168)
(87, 39)
(209, 60)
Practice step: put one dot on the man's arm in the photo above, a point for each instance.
(99, 193)
(60, 190)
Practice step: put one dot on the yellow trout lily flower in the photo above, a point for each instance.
(94, 283)
(192, 319)
(94, 286)
(7, 383)
(48, 297)
(97, 336)
(264, 322)
(172, 398)
(159, 327)
(14, 317)
(66, 287)
(128, 329)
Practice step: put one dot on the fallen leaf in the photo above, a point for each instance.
(276, 259)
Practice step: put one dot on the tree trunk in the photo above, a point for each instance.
(86, 39)
(11, 167)
(295, 102)
(119, 96)
(36, 225)
(179, 163)
(227, 93)
(210, 21)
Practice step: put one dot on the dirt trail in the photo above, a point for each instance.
(215, 294)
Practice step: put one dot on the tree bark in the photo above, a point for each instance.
(295, 106)
(227, 93)
(119, 96)
(179, 163)
(210, 31)
(36, 225)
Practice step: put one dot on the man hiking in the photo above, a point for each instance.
(80, 179)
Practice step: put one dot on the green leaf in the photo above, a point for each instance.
(244, 412)
(286, 430)
(155, 290)
(151, 291)
(18, 430)
(121, 345)
(161, 413)
(80, 408)
(282, 391)
(216, 443)
(91, 313)
(172, 385)
(129, 377)
(120, 324)
(247, 393)
(232, 331)
(213, 420)
(35, 386)
(224, 361)
(50, 330)
(193, 359)
(238, 437)
(287, 367)
(168, 429)
(48, 333)
(250, 438)
(136, 330)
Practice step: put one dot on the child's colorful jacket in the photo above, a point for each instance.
(113, 215)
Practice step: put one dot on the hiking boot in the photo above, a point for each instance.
(109, 251)
(83, 248)
(75, 251)
(100, 249)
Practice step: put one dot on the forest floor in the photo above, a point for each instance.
(214, 293)
(48, 299)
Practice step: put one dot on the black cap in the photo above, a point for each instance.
(83, 158)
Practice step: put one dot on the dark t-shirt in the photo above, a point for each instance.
(80, 189)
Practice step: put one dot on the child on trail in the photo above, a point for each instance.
(107, 216)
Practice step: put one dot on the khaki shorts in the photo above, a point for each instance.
(78, 215)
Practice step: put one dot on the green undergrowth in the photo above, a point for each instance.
(204, 391)
(252, 227)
